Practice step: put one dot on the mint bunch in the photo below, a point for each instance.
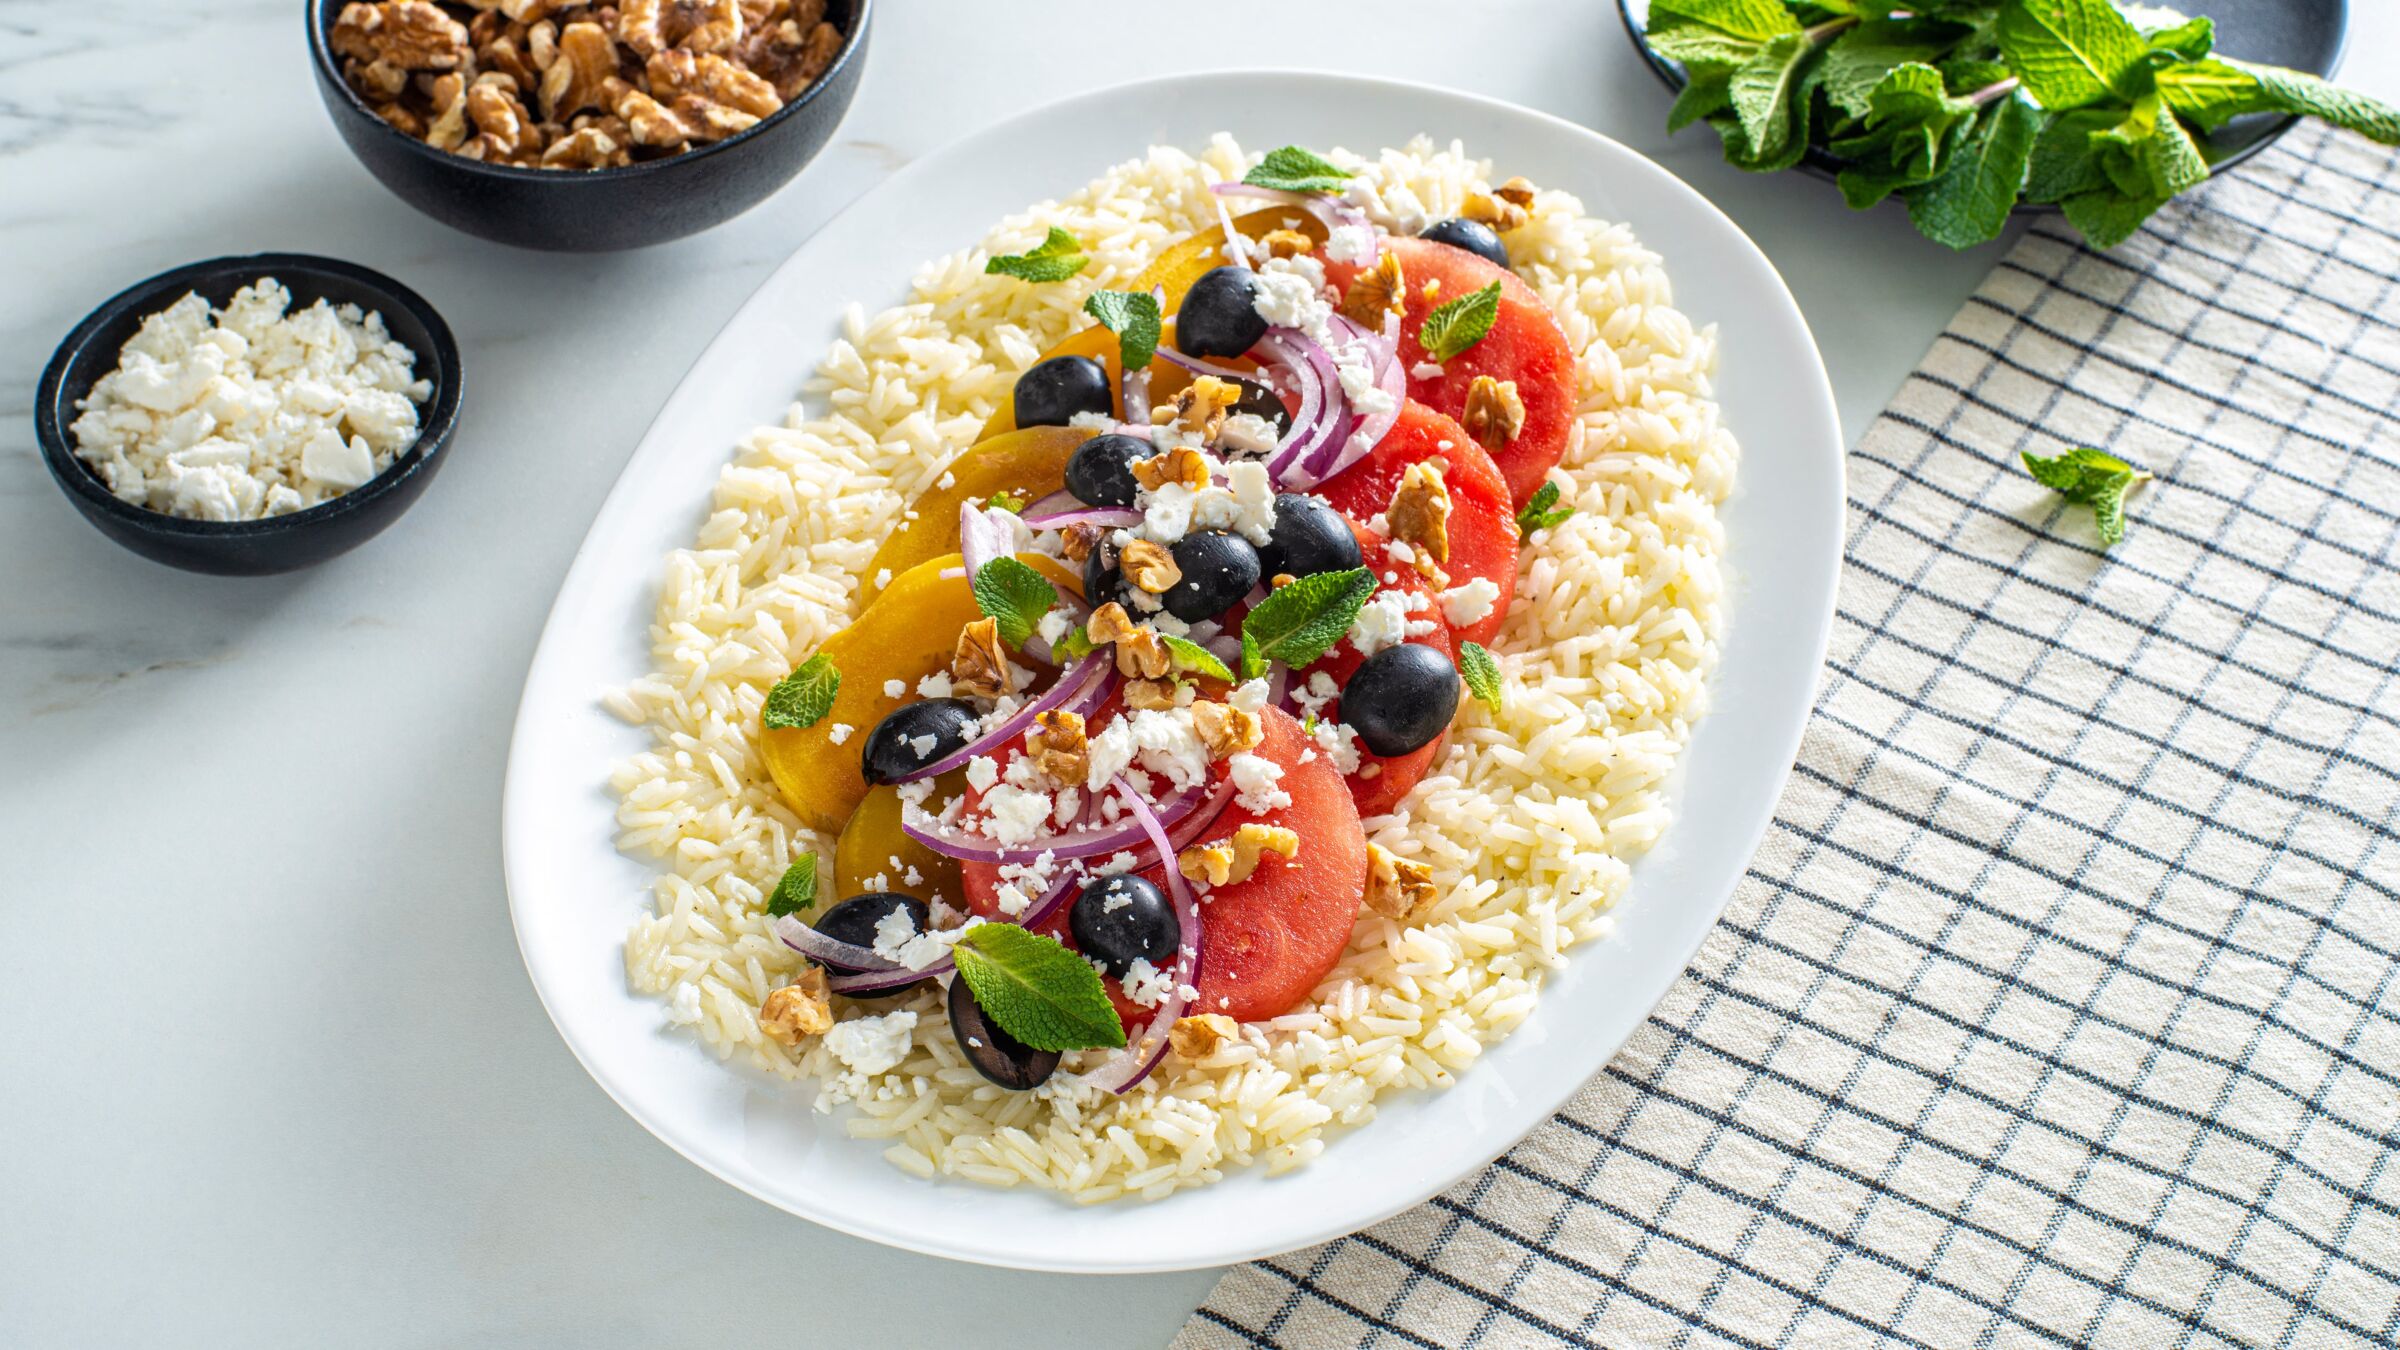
(1963, 108)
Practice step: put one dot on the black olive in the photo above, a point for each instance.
(915, 735)
(1220, 315)
(1260, 401)
(1050, 394)
(995, 1054)
(1472, 235)
(1308, 537)
(1218, 570)
(1123, 919)
(855, 919)
(1103, 580)
(1100, 472)
(1401, 698)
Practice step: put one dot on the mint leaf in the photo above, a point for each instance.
(798, 889)
(1455, 325)
(1009, 502)
(1757, 20)
(1541, 511)
(1013, 596)
(1481, 672)
(1035, 989)
(1054, 259)
(1970, 202)
(1190, 658)
(1133, 316)
(2106, 217)
(2212, 91)
(2089, 477)
(1292, 169)
(2063, 160)
(802, 698)
(2192, 39)
(1859, 59)
(2071, 53)
(2149, 154)
(1704, 94)
(1299, 622)
(1770, 99)
(1075, 646)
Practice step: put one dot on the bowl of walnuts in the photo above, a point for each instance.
(586, 127)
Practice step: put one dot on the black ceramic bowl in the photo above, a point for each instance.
(2298, 34)
(598, 210)
(276, 543)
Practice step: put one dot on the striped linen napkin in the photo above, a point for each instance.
(2062, 1004)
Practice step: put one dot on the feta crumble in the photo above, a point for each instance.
(873, 1045)
(1470, 603)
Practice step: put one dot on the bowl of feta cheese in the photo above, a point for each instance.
(250, 415)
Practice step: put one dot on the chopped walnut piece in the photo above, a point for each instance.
(506, 128)
(1078, 540)
(376, 80)
(1378, 291)
(587, 60)
(533, 11)
(541, 44)
(1433, 290)
(1253, 841)
(1497, 212)
(708, 80)
(1396, 887)
(980, 664)
(407, 34)
(798, 1010)
(1494, 414)
(1198, 1037)
(1060, 749)
(1200, 409)
(402, 117)
(1182, 465)
(1150, 567)
(651, 123)
(1149, 695)
(1139, 652)
(449, 129)
(1286, 243)
(1516, 191)
(1207, 864)
(502, 56)
(1419, 515)
(1225, 729)
(586, 148)
(653, 26)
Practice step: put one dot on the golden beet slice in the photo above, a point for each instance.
(1030, 463)
(874, 855)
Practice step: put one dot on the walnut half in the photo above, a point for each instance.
(1396, 887)
(799, 1010)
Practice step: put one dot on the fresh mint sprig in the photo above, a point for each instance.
(1964, 108)
(797, 890)
(802, 698)
(1292, 169)
(1014, 597)
(1134, 317)
(1455, 325)
(1037, 990)
(1481, 672)
(1054, 259)
(1187, 657)
(1541, 511)
(1301, 620)
(2093, 478)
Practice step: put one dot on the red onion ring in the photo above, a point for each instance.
(832, 951)
(1080, 688)
(984, 534)
(1125, 1069)
(1068, 846)
(1333, 211)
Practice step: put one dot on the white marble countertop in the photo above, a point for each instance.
(270, 1072)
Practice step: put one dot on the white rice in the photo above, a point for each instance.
(1528, 820)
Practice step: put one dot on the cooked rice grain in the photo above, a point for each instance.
(1529, 819)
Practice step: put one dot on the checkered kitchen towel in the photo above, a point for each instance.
(2062, 1004)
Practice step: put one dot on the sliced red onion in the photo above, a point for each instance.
(1323, 414)
(1137, 395)
(1091, 842)
(832, 951)
(1196, 824)
(1128, 1067)
(1105, 517)
(876, 981)
(1080, 688)
(1199, 367)
(1352, 441)
(985, 534)
(1333, 211)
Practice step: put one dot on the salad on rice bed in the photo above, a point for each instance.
(1208, 592)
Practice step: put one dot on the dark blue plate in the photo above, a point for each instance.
(2297, 34)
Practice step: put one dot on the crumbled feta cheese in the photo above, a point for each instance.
(1092, 421)
(1023, 883)
(840, 733)
(251, 410)
(683, 1007)
(1349, 243)
(1248, 434)
(1146, 984)
(1427, 370)
(1340, 744)
(1015, 815)
(1256, 776)
(982, 772)
(922, 746)
(1288, 299)
(1382, 622)
(895, 688)
(872, 1045)
(1253, 491)
(883, 578)
(1167, 516)
(1470, 603)
(936, 685)
(1054, 626)
(1250, 696)
(1117, 863)
(947, 481)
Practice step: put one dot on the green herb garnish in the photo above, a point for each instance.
(1481, 672)
(797, 890)
(1054, 259)
(1009, 502)
(1300, 621)
(1190, 658)
(1541, 511)
(1134, 317)
(802, 698)
(1455, 325)
(2091, 478)
(1075, 646)
(1292, 169)
(1963, 108)
(1013, 596)
(1035, 989)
